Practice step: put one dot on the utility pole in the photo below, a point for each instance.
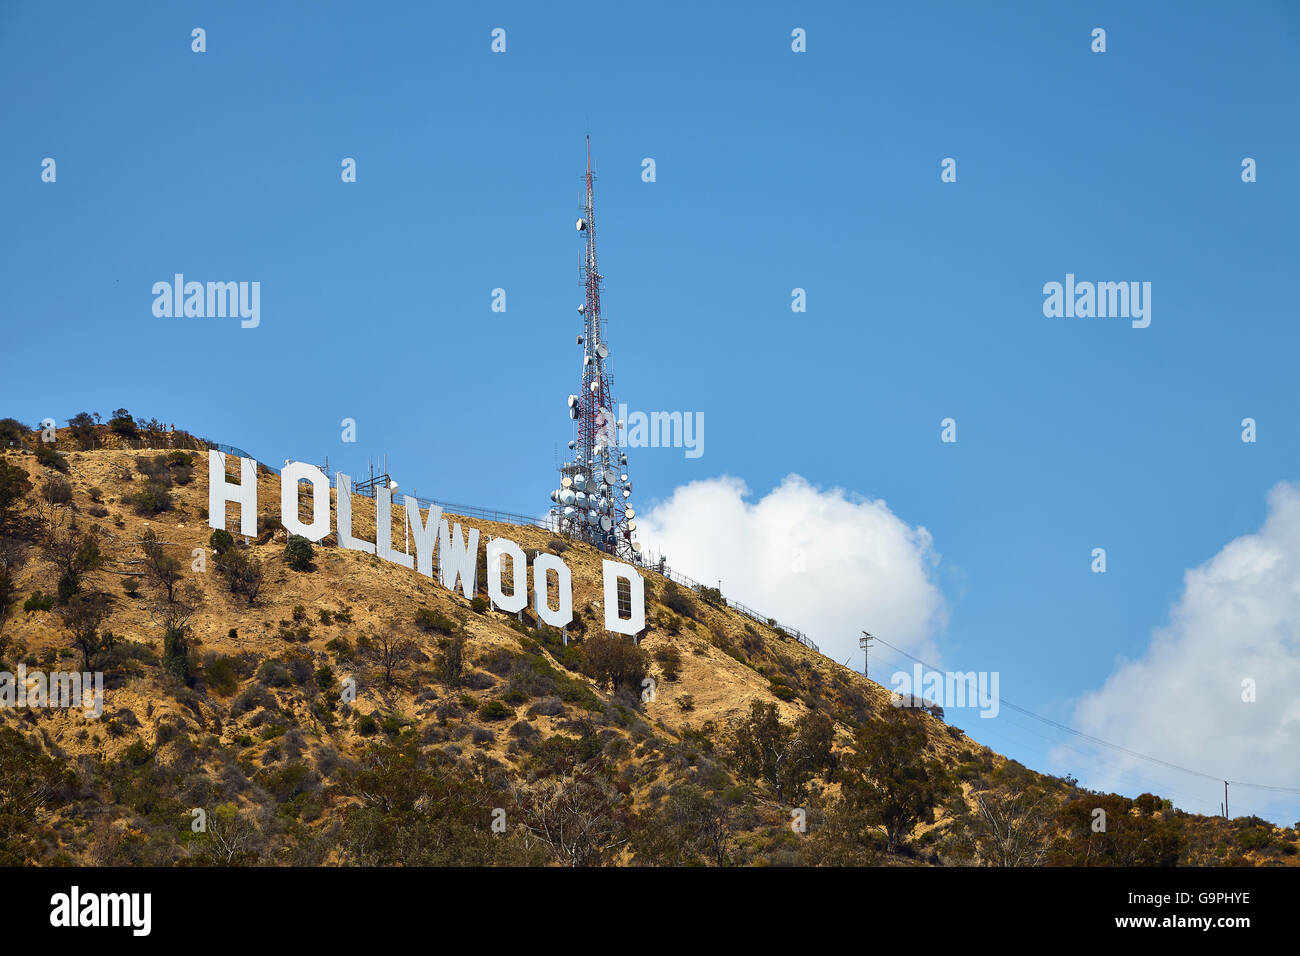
(1225, 800)
(864, 642)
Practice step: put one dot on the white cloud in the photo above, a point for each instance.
(825, 562)
(1238, 618)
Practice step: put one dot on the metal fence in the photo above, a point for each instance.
(744, 609)
(506, 517)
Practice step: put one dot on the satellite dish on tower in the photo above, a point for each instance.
(605, 523)
(602, 351)
(629, 513)
(581, 225)
(582, 309)
(631, 526)
(572, 445)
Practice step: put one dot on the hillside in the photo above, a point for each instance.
(475, 736)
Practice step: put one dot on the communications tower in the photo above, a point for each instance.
(592, 502)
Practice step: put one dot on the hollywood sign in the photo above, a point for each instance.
(457, 554)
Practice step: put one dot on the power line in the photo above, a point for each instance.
(1127, 774)
(1106, 743)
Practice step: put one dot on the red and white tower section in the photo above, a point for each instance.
(593, 502)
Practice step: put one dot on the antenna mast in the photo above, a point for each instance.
(592, 500)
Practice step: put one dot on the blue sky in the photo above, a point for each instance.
(775, 170)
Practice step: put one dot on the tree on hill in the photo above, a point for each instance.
(451, 663)
(164, 571)
(31, 783)
(180, 656)
(83, 616)
(694, 827)
(233, 837)
(74, 553)
(12, 432)
(614, 662)
(390, 652)
(421, 808)
(889, 778)
(121, 423)
(14, 486)
(581, 817)
(786, 756)
(11, 556)
(1127, 839)
(82, 426)
(241, 571)
(1008, 827)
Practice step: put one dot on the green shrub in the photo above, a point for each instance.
(711, 595)
(367, 725)
(614, 661)
(12, 431)
(38, 602)
(427, 619)
(121, 423)
(478, 605)
(298, 553)
(677, 600)
(669, 660)
(49, 458)
(340, 648)
(153, 499)
(494, 710)
(220, 675)
(221, 540)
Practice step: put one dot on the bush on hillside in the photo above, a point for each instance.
(298, 553)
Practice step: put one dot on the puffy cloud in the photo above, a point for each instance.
(825, 562)
(1238, 619)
